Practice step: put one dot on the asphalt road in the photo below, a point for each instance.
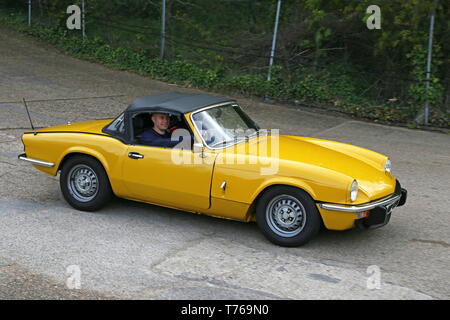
(140, 251)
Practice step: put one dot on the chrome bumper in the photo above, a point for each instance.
(23, 157)
(398, 198)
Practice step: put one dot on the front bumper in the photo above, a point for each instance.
(377, 213)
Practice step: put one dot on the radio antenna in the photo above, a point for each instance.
(29, 117)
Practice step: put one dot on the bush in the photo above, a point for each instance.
(327, 86)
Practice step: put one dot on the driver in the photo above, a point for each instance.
(158, 135)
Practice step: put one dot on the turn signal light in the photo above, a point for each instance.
(363, 214)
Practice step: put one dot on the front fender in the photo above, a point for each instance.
(244, 182)
(287, 181)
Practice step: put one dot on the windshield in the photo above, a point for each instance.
(224, 125)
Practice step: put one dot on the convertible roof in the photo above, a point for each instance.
(174, 102)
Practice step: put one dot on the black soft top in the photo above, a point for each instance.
(175, 102)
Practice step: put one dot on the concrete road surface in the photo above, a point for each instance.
(140, 251)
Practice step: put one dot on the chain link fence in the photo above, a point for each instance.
(233, 43)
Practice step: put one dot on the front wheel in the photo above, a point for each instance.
(85, 184)
(287, 216)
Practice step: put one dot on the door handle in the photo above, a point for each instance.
(135, 155)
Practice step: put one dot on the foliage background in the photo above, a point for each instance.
(326, 56)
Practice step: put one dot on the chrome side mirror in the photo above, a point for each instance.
(197, 147)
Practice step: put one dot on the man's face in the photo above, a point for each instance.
(161, 121)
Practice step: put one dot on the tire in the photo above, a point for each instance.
(85, 184)
(287, 216)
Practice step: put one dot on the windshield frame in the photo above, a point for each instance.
(225, 104)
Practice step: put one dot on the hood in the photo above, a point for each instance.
(364, 165)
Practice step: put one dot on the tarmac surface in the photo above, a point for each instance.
(131, 250)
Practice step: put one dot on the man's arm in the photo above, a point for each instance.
(152, 139)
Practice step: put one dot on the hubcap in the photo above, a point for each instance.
(82, 183)
(285, 215)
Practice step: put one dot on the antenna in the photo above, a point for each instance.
(29, 117)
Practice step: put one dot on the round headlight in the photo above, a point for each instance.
(354, 190)
(387, 166)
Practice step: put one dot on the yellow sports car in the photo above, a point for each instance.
(202, 153)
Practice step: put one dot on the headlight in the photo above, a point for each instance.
(387, 166)
(354, 190)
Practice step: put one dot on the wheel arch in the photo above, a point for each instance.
(276, 233)
(260, 192)
(90, 153)
(72, 154)
(104, 191)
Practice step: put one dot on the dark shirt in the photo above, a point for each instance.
(152, 138)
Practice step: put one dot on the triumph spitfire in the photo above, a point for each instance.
(224, 166)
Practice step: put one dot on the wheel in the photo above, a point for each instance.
(85, 184)
(287, 216)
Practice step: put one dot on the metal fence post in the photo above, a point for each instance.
(274, 40)
(163, 28)
(83, 17)
(29, 13)
(430, 51)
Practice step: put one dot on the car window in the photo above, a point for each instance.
(117, 126)
(177, 136)
(223, 125)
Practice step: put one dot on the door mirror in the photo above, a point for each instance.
(197, 147)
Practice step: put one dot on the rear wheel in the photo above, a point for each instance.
(287, 216)
(85, 184)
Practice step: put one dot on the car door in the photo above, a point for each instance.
(172, 177)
